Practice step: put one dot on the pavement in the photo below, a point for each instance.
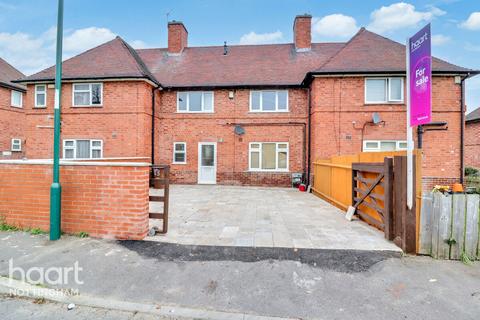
(218, 215)
(332, 284)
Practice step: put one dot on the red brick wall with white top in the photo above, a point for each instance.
(472, 144)
(108, 201)
(11, 125)
(232, 149)
(123, 122)
(339, 112)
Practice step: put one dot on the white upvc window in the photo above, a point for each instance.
(195, 101)
(179, 152)
(40, 95)
(384, 90)
(82, 149)
(87, 94)
(17, 99)
(269, 101)
(268, 156)
(384, 145)
(16, 145)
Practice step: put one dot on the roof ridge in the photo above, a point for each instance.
(139, 61)
(362, 29)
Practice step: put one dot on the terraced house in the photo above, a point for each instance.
(11, 113)
(244, 114)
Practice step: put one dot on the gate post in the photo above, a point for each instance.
(388, 202)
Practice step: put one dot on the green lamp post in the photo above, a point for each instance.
(56, 188)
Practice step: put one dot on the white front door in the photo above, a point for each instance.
(207, 163)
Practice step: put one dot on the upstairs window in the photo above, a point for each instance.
(269, 101)
(41, 95)
(16, 145)
(195, 101)
(17, 98)
(384, 145)
(82, 149)
(384, 90)
(87, 94)
(268, 156)
(179, 153)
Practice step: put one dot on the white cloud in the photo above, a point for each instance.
(334, 26)
(473, 22)
(440, 39)
(139, 44)
(31, 53)
(261, 38)
(400, 15)
(87, 38)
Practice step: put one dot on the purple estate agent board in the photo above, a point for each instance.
(420, 77)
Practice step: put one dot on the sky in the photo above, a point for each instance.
(27, 27)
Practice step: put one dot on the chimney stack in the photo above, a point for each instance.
(177, 37)
(302, 33)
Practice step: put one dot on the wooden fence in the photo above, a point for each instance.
(450, 226)
(333, 182)
(332, 178)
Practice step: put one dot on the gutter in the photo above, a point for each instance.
(153, 126)
(462, 129)
(309, 135)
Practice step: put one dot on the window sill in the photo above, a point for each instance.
(269, 171)
(181, 163)
(17, 107)
(384, 103)
(15, 150)
(89, 106)
(195, 112)
(275, 111)
(40, 107)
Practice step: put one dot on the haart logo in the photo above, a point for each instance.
(415, 45)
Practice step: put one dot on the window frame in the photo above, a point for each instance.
(277, 151)
(20, 106)
(188, 102)
(379, 145)
(74, 148)
(90, 105)
(261, 101)
(16, 141)
(36, 93)
(388, 89)
(175, 152)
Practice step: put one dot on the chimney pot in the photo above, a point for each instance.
(302, 32)
(177, 37)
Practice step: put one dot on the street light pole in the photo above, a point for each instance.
(56, 188)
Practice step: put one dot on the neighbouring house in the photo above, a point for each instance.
(12, 116)
(243, 114)
(472, 139)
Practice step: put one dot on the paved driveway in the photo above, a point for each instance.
(261, 217)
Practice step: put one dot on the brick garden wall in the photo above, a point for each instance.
(232, 149)
(472, 144)
(339, 112)
(11, 125)
(104, 200)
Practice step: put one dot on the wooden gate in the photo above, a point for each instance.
(380, 195)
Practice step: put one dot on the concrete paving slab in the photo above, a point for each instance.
(275, 217)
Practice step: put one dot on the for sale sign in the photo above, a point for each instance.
(420, 54)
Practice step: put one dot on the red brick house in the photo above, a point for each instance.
(12, 135)
(243, 114)
(472, 139)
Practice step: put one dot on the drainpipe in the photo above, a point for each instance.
(153, 126)
(462, 128)
(309, 148)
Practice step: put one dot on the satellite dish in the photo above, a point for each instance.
(239, 130)
(376, 118)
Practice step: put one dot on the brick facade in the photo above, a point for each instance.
(339, 112)
(11, 124)
(107, 201)
(123, 122)
(232, 149)
(472, 144)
